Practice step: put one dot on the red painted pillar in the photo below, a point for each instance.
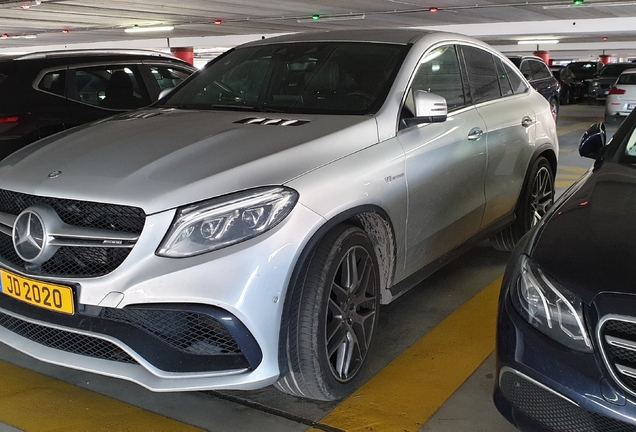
(545, 55)
(605, 58)
(184, 53)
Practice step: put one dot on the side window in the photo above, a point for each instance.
(439, 73)
(504, 81)
(112, 86)
(526, 70)
(482, 75)
(53, 82)
(518, 85)
(539, 69)
(168, 77)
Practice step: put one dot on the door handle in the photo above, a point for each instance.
(475, 133)
(527, 122)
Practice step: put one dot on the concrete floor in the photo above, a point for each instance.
(401, 325)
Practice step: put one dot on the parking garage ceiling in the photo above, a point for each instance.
(583, 31)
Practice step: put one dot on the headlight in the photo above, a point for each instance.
(552, 310)
(224, 221)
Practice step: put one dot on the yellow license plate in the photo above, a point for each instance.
(49, 296)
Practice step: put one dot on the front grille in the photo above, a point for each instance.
(65, 341)
(74, 261)
(618, 343)
(552, 411)
(189, 332)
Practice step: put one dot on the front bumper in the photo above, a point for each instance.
(207, 322)
(543, 386)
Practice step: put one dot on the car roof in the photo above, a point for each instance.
(83, 55)
(629, 71)
(393, 36)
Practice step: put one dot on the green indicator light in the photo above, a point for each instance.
(578, 2)
(315, 17)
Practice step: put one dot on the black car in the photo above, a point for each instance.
(601, 84)
(539, 76)
(566, 332)
(44, 93)
(574, 79)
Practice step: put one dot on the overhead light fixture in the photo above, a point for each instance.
(137, 29)
(26, 36)
(538, 42)
(319, 19)
(29, 4)
(595, 4)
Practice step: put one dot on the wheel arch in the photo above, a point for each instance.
(378, 226)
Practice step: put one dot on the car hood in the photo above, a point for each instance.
(163, 158)
(588, 243)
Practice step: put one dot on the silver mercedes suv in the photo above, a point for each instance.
(244, 230)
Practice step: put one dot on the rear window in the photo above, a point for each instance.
(582, 70)
(629, 78)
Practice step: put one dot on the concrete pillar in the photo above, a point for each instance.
(545, 55)
(184, 53)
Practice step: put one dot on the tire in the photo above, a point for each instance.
(536, 198)
(330, 318)
(610, 119)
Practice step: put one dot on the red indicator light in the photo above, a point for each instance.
(65, 31)
(6, 120)
(584, 204)
(5, 36)
(617, 91)
(218, 22)
(604, 38)
(433, 10)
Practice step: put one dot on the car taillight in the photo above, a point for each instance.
(9, 119)
(617, 91)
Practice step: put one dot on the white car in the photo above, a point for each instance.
(621, 99)
(245, 229)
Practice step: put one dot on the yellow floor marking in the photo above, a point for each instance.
(563, 184)
(568, 176)
(576, 170)
(575, 127)
(406, 393)
(36, 403)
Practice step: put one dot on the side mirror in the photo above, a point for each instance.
(593, 141)
(428, 107)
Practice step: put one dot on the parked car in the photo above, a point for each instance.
(539, 76)
(574, 79)
(244, 230)
(621, 98)
(45, 93)
(566, 333)
(601, 84)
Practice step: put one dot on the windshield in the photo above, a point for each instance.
(614, 70)
(318, 77)
(582, 70)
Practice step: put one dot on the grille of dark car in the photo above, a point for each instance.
(554, 412)
(189, 332)
(74, 261)
(65, 341)
(618, 342)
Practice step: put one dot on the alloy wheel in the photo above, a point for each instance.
(542, 196)
(351, 313)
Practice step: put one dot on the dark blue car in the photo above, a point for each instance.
(566, 334)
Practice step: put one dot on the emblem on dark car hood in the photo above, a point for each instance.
(55, 174)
